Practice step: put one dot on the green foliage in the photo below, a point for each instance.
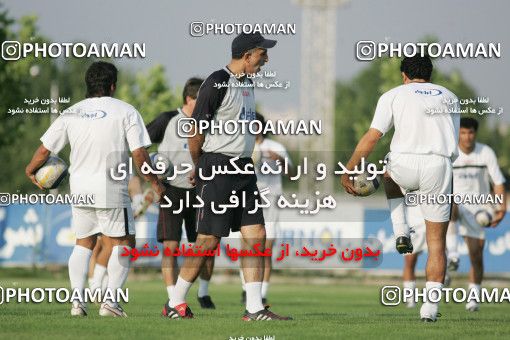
(20, 133)
(149, 93)
(16, 84)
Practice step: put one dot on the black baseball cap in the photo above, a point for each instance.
(245, 42)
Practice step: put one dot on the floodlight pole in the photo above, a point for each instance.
(317, 98)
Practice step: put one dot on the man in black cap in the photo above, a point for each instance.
(227, 95)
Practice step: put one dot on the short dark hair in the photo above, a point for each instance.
(100, 77)
(191, 88)
(469, 123)
(417, 67)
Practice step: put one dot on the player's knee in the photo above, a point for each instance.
(171, 245)
(436, 247)
(207, 242)
(128, 240)
(87, 242)
(260, 234)
(476, 257)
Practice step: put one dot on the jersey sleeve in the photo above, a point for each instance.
(456, 128)
(211, 95)
(495, 174)
(383, 116)
(55, 138)
(157, 127)
(136, 132)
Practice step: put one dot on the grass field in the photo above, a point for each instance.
(326, 311)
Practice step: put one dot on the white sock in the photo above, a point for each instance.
(203, 288)
(265, 287)
(474, 286)
(242, 279)
(430, 285)
(411, 286)
(180, 291)
(451, 241)
(398, 217)
(253, 297)
(78, 266)
(104, 284)
(430, 308)
(118, 269)
(97, 278)
(170, 290)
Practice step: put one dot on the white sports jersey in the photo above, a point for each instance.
(416, 131)
(472, 172)
(176, 149)
(232, 101)
(100, 131)
(273, 182)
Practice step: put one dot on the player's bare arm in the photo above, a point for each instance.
(40, 157)
(499, 190)
(195, 148)
(364, 148)
(140, 156)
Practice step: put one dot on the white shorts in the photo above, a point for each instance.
(112, 222)
(425, 175)
(467, 225)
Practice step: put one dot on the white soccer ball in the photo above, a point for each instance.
(161, 158)
(483, 217)
(51, 174)
(365, 187)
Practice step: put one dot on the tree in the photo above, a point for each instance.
(149, 93)
(16, 84)
(32, 77)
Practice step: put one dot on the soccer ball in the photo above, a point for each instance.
(483, 217)
(365, 187)
(159, 157)
(51, 174)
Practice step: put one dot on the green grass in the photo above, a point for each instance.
(321, 312)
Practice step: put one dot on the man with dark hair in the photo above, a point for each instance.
(158, 126)
(99, 78)
(422, 151)
(417, 67)
(474, 171)
(227, 95)
(163, 130)
(100, 131)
